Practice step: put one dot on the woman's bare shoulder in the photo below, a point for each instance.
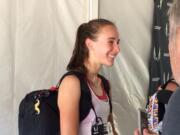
(71, 85)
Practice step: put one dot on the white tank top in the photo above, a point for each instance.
(102, 110)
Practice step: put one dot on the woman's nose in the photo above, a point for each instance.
(117, 48)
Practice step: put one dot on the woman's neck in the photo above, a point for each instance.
(92, 68)
(92, 77)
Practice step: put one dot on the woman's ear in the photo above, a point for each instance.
(88, 43)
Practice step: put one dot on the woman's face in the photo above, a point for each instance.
(105, 48)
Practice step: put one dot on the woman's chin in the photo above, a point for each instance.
(109, 64)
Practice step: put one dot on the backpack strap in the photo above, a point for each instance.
(164, 96)
(107, 89)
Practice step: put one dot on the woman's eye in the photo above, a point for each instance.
(118, 42)
(110, 42)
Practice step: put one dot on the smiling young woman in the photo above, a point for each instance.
(97, 44)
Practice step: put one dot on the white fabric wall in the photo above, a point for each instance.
(36, 42)
(130, 76)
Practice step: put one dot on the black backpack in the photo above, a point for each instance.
(39, 113)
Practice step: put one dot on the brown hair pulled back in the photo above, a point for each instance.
(80, 53)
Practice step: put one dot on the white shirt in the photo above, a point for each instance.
(102, 109)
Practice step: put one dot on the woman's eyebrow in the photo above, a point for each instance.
(113, 38)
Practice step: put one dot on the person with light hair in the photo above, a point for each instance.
(171, 121)
(171, 124)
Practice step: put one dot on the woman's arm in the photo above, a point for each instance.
(110, 119)
(145, 132)
(68, 103)
(112, 123)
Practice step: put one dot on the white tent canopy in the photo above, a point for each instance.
(36, 42)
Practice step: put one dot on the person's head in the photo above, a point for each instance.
(174, 39)
(170, 85)
(96, 40)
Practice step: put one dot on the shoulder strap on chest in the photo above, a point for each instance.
(107, 89)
